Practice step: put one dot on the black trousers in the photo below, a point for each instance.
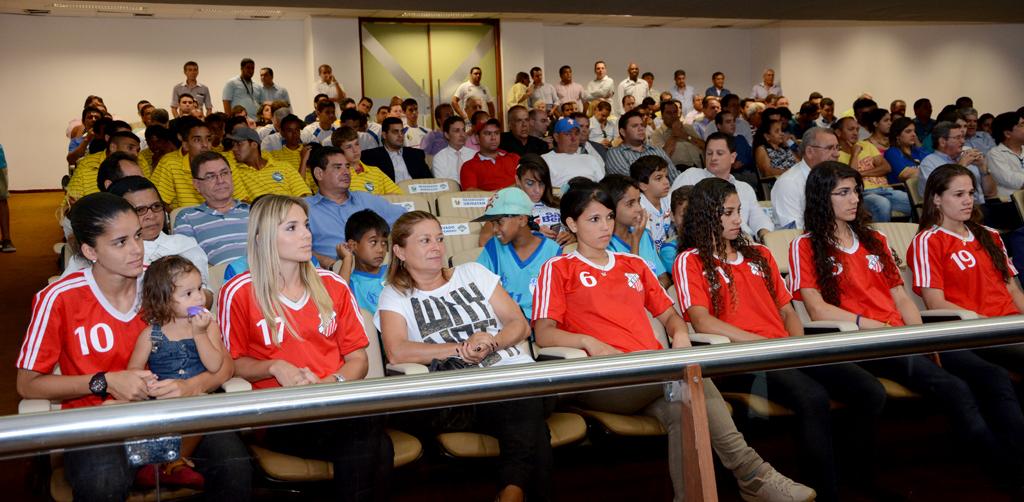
(808, 391)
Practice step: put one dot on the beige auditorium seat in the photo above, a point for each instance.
(463, 204)
(465, 256)
(429, 185)
(913, 185)
(777, 241)
(281, 467)
(414, 202)
(459, 234)
(620, 424)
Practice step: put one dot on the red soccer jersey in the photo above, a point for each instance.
(482, 173)
(319, 348)
(755, 310)
(73, 325)
(606, 302)
(938, 257)
(864, 288)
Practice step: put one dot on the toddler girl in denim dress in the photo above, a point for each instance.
(181, 342)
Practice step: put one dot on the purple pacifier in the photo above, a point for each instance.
(194, 311)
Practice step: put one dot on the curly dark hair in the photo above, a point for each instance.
(703, 231)
(820, 222)
(938, 183)
(158, 287)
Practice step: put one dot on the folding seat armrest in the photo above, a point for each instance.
(406, 369)
(822, 327)
(939, 315)
(707, 339)
(236, 384)
(556, 353)
(33, 406)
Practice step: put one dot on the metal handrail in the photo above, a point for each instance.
(36, 433)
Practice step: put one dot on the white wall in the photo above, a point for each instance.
(662, 51)
(905, 62)
(54, 62)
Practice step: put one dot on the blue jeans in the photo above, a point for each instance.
(881, 202)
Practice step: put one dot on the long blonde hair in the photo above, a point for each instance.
(265, 264)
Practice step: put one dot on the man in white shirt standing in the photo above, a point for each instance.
(565, 162)
(632, 85)
(766, 87)
(540, 90)
(651, 91)
(602, 88)
(818, 145)
(569, 91)
(719, 155)
(448, 162)
(681, 92)
(472, 87)
(191, 86)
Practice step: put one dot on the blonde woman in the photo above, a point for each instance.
(286, 323)
(461, 317)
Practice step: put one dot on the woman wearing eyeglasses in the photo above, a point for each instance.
(143, 196)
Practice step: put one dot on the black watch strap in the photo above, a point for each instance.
(98, 384)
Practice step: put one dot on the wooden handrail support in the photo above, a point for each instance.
(698, 465)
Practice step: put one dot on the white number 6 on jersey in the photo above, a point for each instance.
(587, 280)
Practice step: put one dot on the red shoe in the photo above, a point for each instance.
(181, 473)
(146, 477)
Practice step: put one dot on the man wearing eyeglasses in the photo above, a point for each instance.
(818, 145)
(219, 224)
(173, 176)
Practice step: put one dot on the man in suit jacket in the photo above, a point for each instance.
(397, 161)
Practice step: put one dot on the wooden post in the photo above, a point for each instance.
(698, 466)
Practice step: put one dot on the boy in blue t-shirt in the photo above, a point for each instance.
(362, 255)
(518, 249)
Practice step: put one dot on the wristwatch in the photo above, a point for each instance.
(338, 378)
(98, 385)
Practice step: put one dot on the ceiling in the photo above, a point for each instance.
(670, 13)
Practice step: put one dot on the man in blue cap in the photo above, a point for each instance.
(565, 162)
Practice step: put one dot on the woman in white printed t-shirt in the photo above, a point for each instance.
(459, 317)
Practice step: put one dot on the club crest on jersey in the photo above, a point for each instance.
(874, 263)
(533, 284)
(755, 269)
(368, 186)
(277, 176)
(328, 328)
(633, 281)
(837, 267)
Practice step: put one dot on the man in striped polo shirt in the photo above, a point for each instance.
(260, 175)
(220, 223)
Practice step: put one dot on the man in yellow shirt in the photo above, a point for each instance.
(364, 178)
(173, 175)
(292, 151)
(260, 175)
(83, 181)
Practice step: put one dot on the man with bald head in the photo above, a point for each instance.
(632, 85)
(818, 145)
